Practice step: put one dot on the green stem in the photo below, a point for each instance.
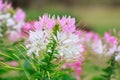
(49, 61)
(110, 70)
(51, 50)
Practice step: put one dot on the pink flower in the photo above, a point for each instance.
(13, 63)
(89, 35)
(67, 24)
(50, 23)
(71, 21)
(96, 37)
(15, 36)
(78, 70)
(62, 21)
(110, 39)
(27, 27)
(1, 5)
(20, 15)
(47, 22)
(79, 32)
(76, 67)
(77, 64)
(68, 28)
(38, 25)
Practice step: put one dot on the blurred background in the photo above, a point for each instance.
(96, 15)
(91, 15)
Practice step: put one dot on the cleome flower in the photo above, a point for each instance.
(58, 39)
(11, 20)
(40, 32)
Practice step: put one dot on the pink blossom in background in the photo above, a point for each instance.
(96, 37)
(76, 67)
(1, 5)
(78, 32)
(15, 36)
(20, 15)
(110, 39)
(89, 36)
(13, 63)
(13, 21)
(8, 6)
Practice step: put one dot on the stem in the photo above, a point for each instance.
(50, 50)
(110, 70)
(50, 59)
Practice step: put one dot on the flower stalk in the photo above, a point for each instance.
(110, 70)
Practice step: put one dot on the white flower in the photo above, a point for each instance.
(7, 15)
(97, 47)
(68, 45)
(4, 16)
(18, 26)
(10, 22)
(111, 50)
(1, 17)
(37, 42)
(117, 58)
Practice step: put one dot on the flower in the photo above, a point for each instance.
(1, 5)
(110, 39)
(13, 22)
(10, 22)
(55, 39)
(15, 36)
(76, 67)
(27, 27)
(99, 48)
(4, 6)
(40, 32)
(13, 63)
(19, 15)
(117, 58)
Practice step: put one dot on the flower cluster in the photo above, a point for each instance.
(40, 33)
(106, 45)
(62, 31)
(11, 21)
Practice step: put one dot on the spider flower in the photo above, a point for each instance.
(40, 33)
(11, 21)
